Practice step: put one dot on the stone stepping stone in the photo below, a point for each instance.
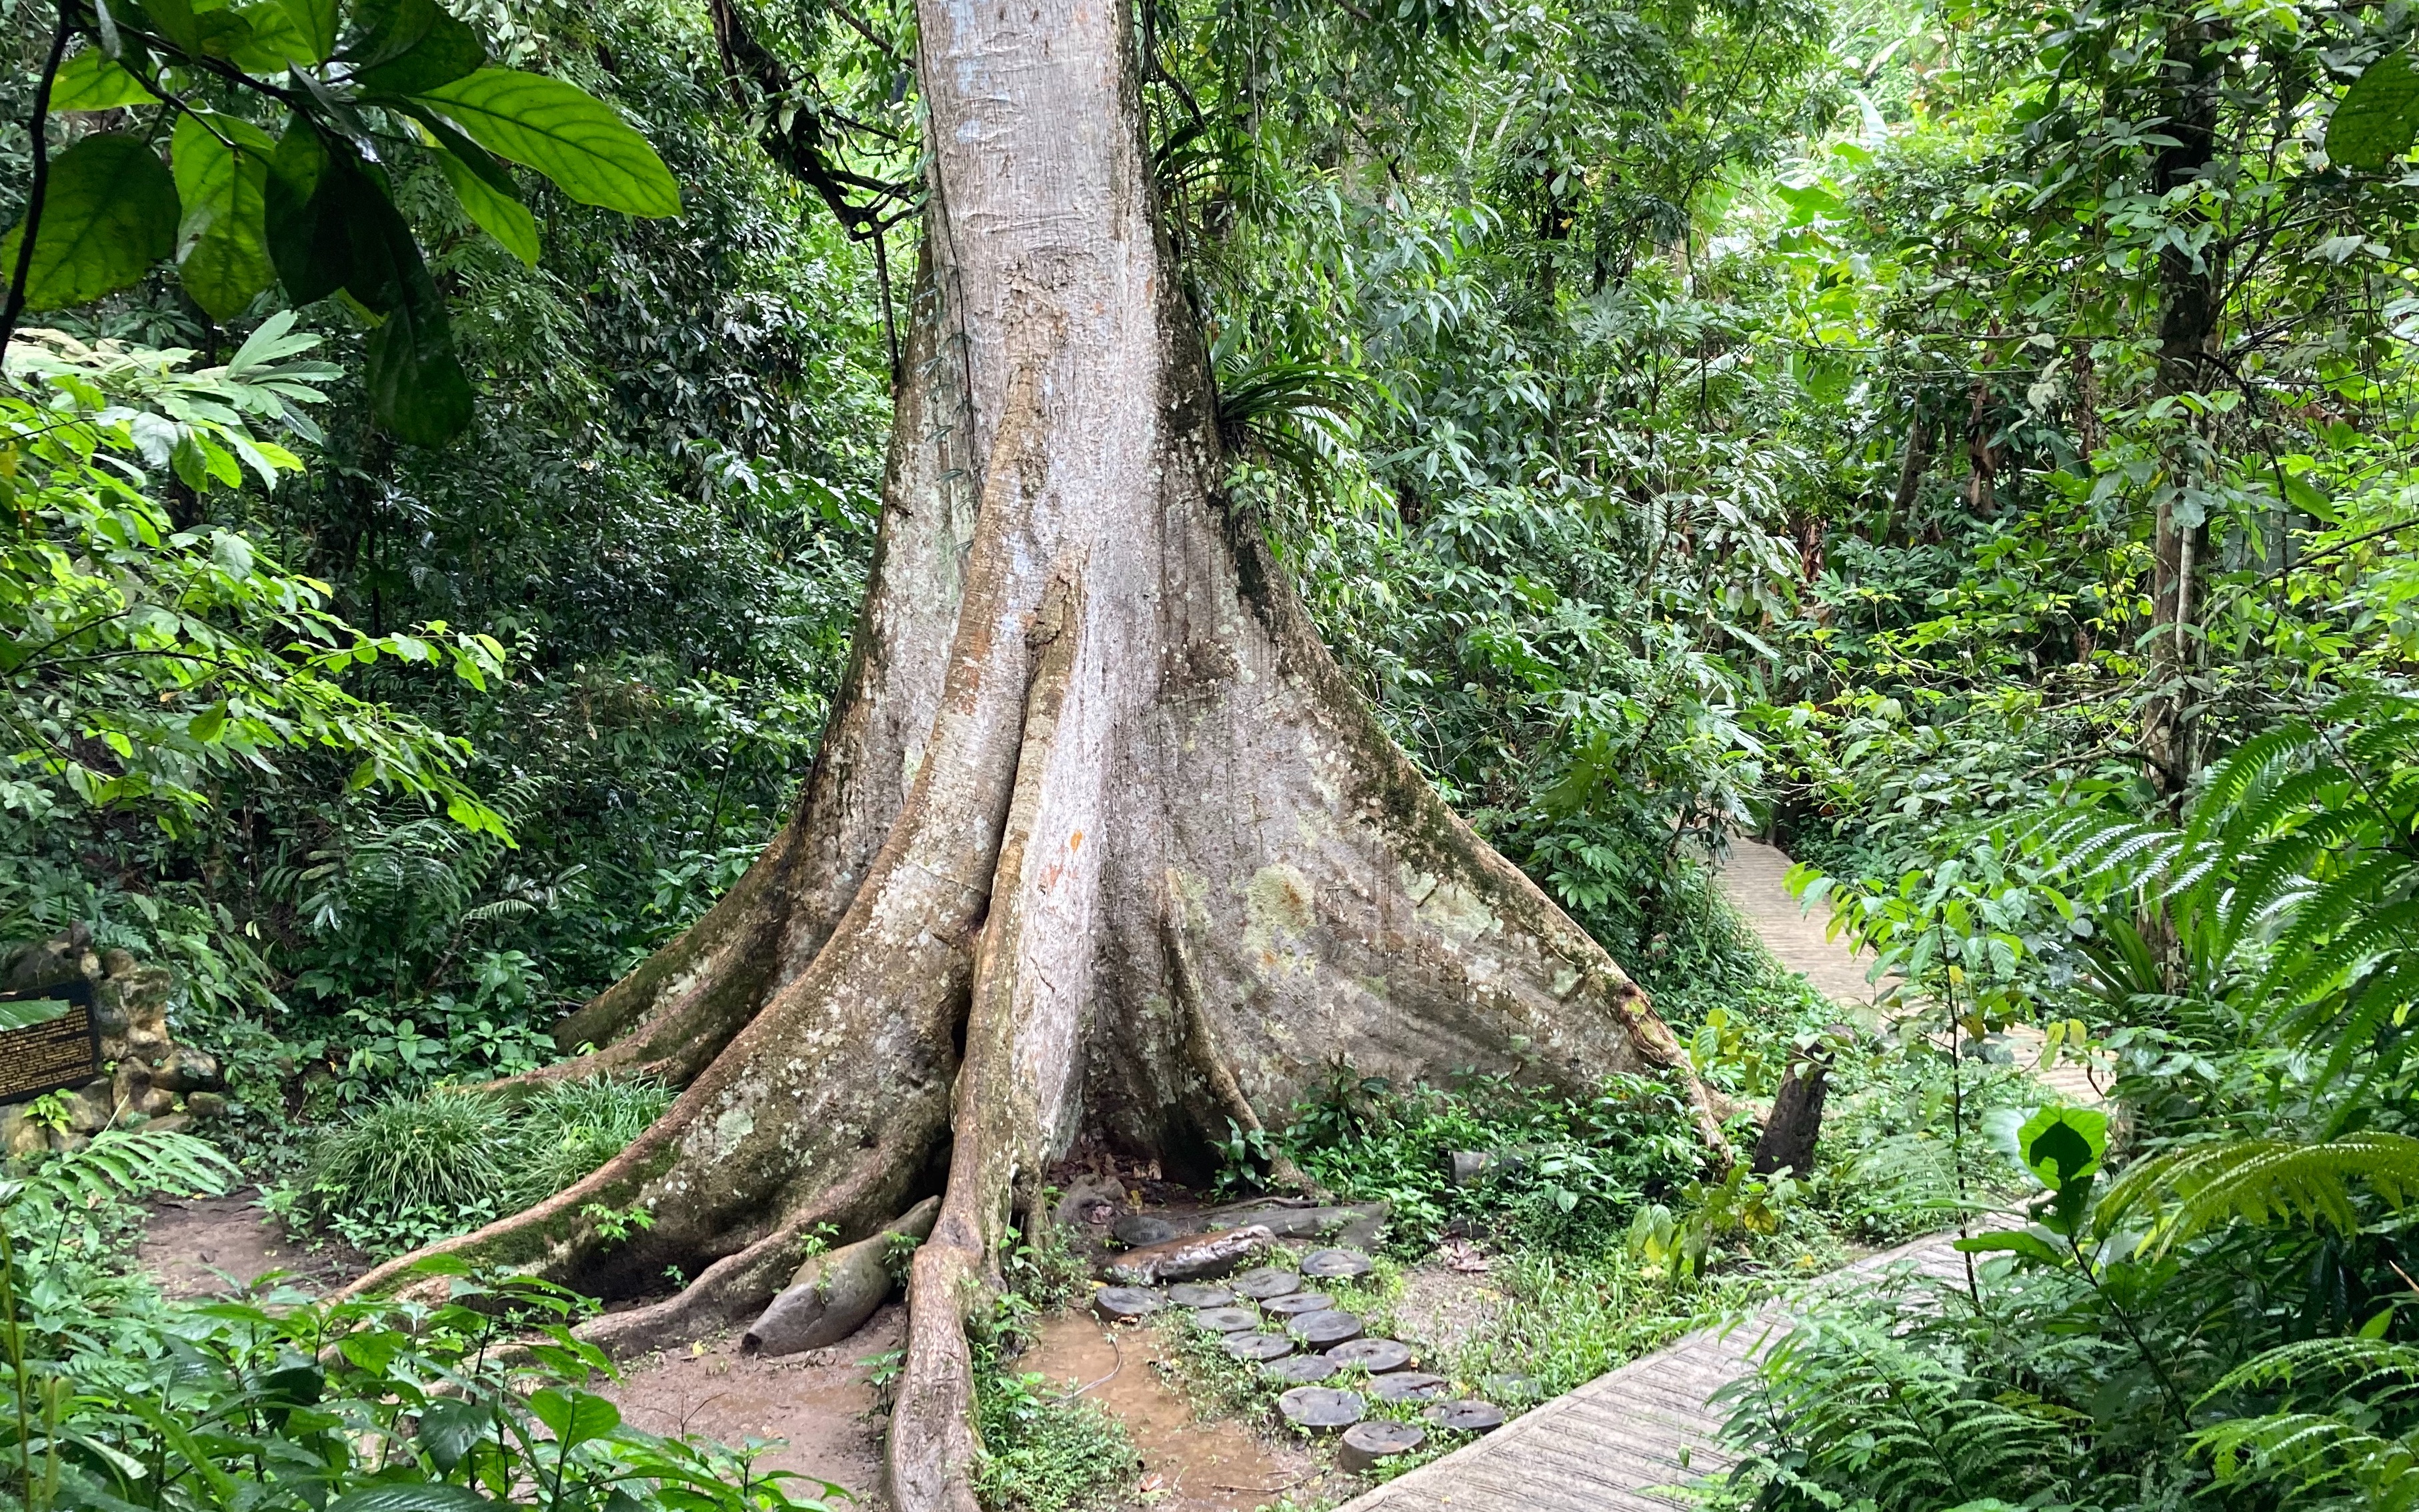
(1262, 1346)
(1266, 1282)
(1376, 1356)
(1507, 1388)
(1294, 1305)
(1335, 1264)
(1226, 1319)
(1325, 1330)
(1121, 1303)
(1299, 1370)
(1321, 1409)
(1194, 1294)
(1366, 1443)
(1135, 1229)
(1465, 1416)
(1407, 1386)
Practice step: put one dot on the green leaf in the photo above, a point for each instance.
(89, 81)
(564, 133)
(276, 44)
(171, 19)
(110, 214)
(315, 22)
(501, 216)
(411, 1498)
(24, 1013)
(447, 1431)
(416, 384)
(2063, 1144)
(309, 238)
(222, 166)
(2012, 1242)
(2377, 118)
(575, 1416)
(446, 51)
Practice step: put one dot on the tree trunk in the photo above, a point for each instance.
(1099, 839)
(2190, 312)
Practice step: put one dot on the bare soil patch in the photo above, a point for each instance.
(210, 1246)
(1189, 1463)
(1447, 1310)
(820, 1404)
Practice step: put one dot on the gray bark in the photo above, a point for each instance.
(1101, 840)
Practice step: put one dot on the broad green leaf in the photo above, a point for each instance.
(2016, 1242)
(23, 1012)
(2063, 1144)
(276, 43)
(417, 387)
(110, 214)
(89, 81)
(171, 19)
(445, 51)
(315, 22)
(411, 1498)
(310, 237)
(501, 216)
(222, 167)
(564, 133)
(447, 1431)
(575, 1416)
(2377, 118)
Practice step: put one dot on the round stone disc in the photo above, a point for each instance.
(1335, 1264)
(1294, 1305)
(1376, 1356)
(1127, 1302)
(1366, 1443)
(1299, 1370)
(1135, 1229)
(1324, 1330)
(1258, 1345)
(1193, 1294)
(1407, 1386)
(1512, 1388)
(1320, 1408)
(1465, 1416)
(1266, 1282)
(1226, 1319)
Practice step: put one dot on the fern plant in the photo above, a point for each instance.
(2343, 1444)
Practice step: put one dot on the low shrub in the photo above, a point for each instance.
(1566, 1173)
(1045, 1449)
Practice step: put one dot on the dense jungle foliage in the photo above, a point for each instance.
(1969, 443)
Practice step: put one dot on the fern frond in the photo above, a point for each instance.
(122, 1165)
(2310, 1451)
(2197, 1187)
(2360, 1362)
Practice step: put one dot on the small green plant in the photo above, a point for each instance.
(50, 1110)
(570, 1128)
(1244, 1157)
(615, 1224)
(1045, 1449)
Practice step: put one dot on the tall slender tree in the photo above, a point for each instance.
(1099, 839)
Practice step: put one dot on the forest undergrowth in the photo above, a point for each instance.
(1967, 443)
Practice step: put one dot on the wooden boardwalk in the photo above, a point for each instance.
(1607, 1446)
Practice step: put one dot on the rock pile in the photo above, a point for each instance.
(150, 1079)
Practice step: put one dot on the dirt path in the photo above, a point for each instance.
(1189, 1464)
(210, 1246)
(1755, 880)
(820, 1404)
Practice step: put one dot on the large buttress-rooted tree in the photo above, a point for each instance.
(1099, 839)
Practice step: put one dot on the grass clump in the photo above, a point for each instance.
(414, 1169)
(1046, 1451)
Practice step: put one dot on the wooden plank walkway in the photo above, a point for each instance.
(1607, 1446)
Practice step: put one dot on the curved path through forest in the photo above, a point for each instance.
(1619, 1442)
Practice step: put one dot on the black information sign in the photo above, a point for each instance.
(56, 1043)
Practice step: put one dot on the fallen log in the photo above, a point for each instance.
(1189, 1258)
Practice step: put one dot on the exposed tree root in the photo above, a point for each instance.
(1101, 841)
